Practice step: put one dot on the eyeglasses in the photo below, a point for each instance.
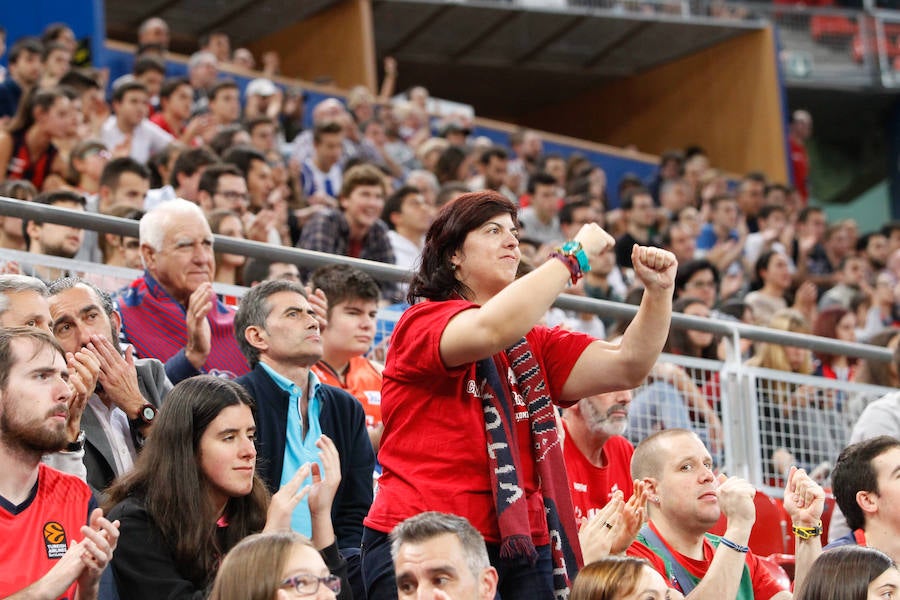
(306, 584)
(101, 152)
(235, 196)
(701, 284)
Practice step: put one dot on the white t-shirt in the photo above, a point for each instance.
(146, 140)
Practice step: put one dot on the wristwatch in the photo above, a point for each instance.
(146, 415)
(573, 248)
(77, 445)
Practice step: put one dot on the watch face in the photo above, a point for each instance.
(148, 413)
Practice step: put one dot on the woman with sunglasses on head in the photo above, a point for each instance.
(469, 370)
(194, 494)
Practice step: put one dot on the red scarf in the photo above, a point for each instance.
(509, 496)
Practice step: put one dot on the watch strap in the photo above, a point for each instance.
(77, 445)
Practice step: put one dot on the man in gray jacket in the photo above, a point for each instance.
(128, 391)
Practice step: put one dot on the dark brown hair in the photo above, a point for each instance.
(844, 574)
(435, 279)
(168, 479)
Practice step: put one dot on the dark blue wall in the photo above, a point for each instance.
(85, 17)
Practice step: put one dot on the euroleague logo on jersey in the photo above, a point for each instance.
(54, 539)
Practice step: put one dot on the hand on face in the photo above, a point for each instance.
(84, 371)
(118, 376)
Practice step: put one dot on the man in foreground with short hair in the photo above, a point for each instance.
(686, 499)
(441, 556)
(42, 511)
(864, 481)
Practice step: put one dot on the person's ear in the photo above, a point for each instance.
(487, 583)
(652, 486)
(867, 501)
(256, 337)
(116, 320)
(148, 256)
(112, 240)
(33, 229)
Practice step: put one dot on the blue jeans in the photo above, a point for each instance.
(517, 578)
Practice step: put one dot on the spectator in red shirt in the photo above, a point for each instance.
(598, 458)
(800, 132)
(470, 370)
(686, 498)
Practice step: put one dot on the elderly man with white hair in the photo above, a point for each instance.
(171, 312)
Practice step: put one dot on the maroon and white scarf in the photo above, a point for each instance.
(503, 454)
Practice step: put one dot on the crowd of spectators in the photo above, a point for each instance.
(195, 156)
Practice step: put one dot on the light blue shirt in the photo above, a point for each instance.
(299, 449)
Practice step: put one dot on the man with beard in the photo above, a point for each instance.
(129, 390)
(57, 539)
(598, 458)
(51, 239)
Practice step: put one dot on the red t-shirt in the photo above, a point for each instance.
(362, 380)
(160, 120)
(800, 167)
(764, 585)
(434, 449)
(591, 486)
(35, 534)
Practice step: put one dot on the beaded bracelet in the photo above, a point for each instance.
(734, 546)
(575, 272)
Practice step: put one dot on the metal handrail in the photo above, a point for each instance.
(381, 271)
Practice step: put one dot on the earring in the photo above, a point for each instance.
(452, 267)
(656, 499)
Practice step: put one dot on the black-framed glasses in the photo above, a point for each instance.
(232, 196)
(307, 584)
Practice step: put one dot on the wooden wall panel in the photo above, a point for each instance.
(337, 43)
(726, 98)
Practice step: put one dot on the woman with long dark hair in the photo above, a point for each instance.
(26, 146)
(194, 494)
(469, 386)
(851, 573)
